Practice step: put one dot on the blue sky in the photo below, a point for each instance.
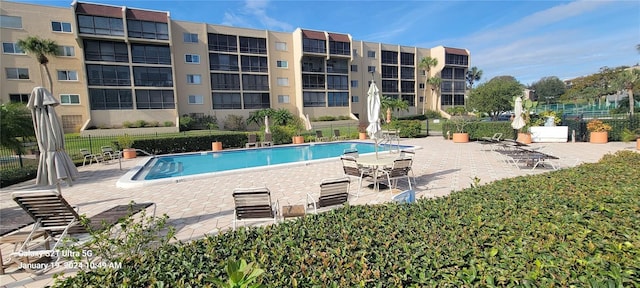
(525, 39)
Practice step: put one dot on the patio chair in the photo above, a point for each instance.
(337, 136)
(107, 151)
(351, 169)
(253, 141)
(320, 137)
(409, 154)
(400, 170)
(268, 140)
(89, 156)
(333, 192)
(52, 215)
(254, 204)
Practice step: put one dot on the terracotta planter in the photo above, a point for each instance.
(460, 137)
(599, 137)
(129, 153)
(524, 138)
(216, 146)
(298, 139)
(362, 135)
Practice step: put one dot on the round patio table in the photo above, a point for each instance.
(376, 163)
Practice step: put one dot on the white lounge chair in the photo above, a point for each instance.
(254, 204)
(334, 191)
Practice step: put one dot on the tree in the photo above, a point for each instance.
(389, 104)
(495, 96)
(15, 121)
(628, 80)
(549, 89)
(473, 75)
(40, 48)
(427, 63)
(435, 82)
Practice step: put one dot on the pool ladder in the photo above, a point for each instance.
(137, 150)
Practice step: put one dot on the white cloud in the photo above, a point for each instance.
(254, 14)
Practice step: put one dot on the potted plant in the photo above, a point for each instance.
(627, 136)
(524, 134)
(296, 124)
(362, 131)
(125, 142)
(598, 131)
(460, 135)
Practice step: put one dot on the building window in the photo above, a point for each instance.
(153, 76)
(283, 98)
(147, 29)
(312, 64)
(446, 100)
(407, 73)
(371, 69)
(256, 100)
(355, 52)
(389, 57)
(389, 86)
(421, 99)
(221, 81)
(314, 45)
(107, 51)
(69, 99)
(340, 66)
(226, 100)
(283, 81)
(155, 99)
(190, 38)
(61, 26)
(17, 73)
(10, 22)
(196, 99)
(254, 64)
(339, 48)
(253, 45)
(67, 75)
(354, 83)
(192, 58)
(407, 59)
(354, 68)
(423, 72)
(194, 79)
(421, 85)
(19, 98)
(255, 82)
(313, 81)
(12, 48)
(98, 25)
(150, 54)
(281, 46)
(371, 54)
(314, 99)
(410, 99)
(355, 99)
(221, 42)
(110, 99)
(338, 99)
(454, 59)
(108, 75)
(458, 99)
(389, 71)
(282, 64)
(337, 82)
(223, 62)
(66, 51)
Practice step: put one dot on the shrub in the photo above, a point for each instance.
(141, 123)
(282, 134)
(127, 124)
(432, 114)
(186, 123)
(152, 124)
(168, 123)
(234, 123)
(597, 125)
(574, 227)
(9, 177)
(326, 118)
(407, 128)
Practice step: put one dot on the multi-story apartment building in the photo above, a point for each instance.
(119, 64)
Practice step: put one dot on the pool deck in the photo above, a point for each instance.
(205, 206)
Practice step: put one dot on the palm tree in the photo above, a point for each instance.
(389, 103)
(435, 82)
(627, 80)
(40, 48)
(427, 63)
(474, 74)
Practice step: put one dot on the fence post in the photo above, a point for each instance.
(90, 144)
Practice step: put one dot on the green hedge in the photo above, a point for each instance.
(575, 227)
(407, 128)
(181, 144)
(479, 129)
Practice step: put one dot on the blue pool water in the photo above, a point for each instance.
(167, 166)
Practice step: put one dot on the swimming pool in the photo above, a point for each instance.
(178, 167)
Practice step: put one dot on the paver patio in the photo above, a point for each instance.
(205, 206)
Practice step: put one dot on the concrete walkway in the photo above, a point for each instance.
(205, 206)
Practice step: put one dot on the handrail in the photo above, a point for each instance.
(137, 150)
